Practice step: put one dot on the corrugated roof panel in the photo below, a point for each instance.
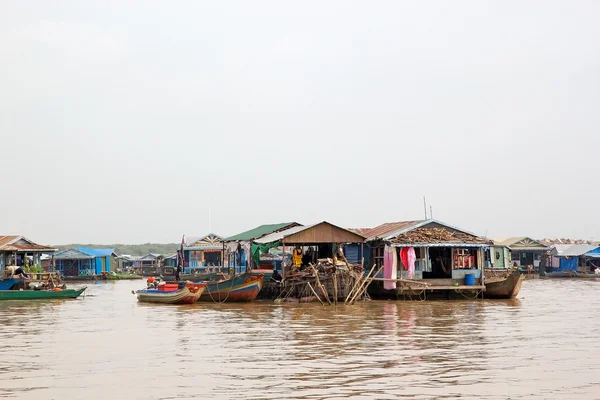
(20, 243)
(96, 252)
(575, 250)
(281, 234)
(260, 231)
(333, 235)
(385, 229)
(72, 254)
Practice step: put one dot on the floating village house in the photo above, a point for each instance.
(317, 269)
(238, 248)
(498, 257)
(18, 250)
(83, 262)
(426, 255)
(148, 265)
(526, 252)
(575, 258)
(308, 243)
(204, 254)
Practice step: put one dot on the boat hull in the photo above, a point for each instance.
(7, 284)
(188, 294)
(241, 288)
(40, 294)
(507, 288)
(570, 274)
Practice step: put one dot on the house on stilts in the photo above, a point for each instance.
(425, 259)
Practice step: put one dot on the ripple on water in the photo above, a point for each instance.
(537, 347)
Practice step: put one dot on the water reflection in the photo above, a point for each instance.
(475, 349)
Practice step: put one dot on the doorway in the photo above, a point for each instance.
(441, 263)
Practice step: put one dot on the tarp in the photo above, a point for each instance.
(257, 250)
(568, 263)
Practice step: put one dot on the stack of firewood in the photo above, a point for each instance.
(438, 235)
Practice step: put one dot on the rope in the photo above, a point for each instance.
(224, 300)
(467, 297)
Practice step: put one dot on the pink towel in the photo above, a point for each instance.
(412, 257)
(389, 268)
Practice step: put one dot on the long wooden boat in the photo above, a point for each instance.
(41, 294)
(506, 287)
(244, 287)
(188, 294)
(570, 274)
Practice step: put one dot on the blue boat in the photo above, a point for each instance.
(7, 284)
(244, 287)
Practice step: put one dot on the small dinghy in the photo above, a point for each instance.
(182, 293)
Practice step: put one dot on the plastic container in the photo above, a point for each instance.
(469, 279)
(167, 287)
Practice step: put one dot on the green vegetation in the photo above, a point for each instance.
(131, 249)
(33, 269)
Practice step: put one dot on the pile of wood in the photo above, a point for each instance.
(329, 281)
(438, 235)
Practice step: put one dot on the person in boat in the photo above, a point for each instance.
(276, 277)
(15, 271)
(178, 273)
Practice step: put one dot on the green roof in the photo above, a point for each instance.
(260, 231)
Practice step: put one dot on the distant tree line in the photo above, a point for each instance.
(131, 249)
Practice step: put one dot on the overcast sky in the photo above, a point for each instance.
(120, 120)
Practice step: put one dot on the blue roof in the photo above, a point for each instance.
(595, 251)
(96, 252)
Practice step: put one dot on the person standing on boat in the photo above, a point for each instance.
(178, 273)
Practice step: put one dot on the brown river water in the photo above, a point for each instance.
(543, 345)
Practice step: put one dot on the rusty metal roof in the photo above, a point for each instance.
(385, 230)
(20, 243)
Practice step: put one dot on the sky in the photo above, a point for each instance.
(134, 122)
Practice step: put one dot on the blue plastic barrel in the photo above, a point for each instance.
(469, 279)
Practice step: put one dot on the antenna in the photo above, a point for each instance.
(425, 206)
(209, 203)
(430, 212)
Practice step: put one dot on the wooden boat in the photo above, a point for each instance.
(187, 294)
(41, 294)
(244, 287)
(115, 276)
(503, 287)
(570, 274)
(8, 284)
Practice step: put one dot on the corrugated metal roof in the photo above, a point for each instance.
(273, 237)
(528, 243)
(281, 234)
(72, 254)
(96, 252)
(21, 243)
(385, 230)
(260, 231)
(576, 250)
(151, 256)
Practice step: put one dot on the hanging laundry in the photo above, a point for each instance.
(404, 257)
(395, 264)
(411, 258)
(388, 268)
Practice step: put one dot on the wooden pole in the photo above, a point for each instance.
(315, 293)
(335, 288)
(283, 262)
(359, 282)
(365, 285)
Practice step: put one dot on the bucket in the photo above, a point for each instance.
(469, 279)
